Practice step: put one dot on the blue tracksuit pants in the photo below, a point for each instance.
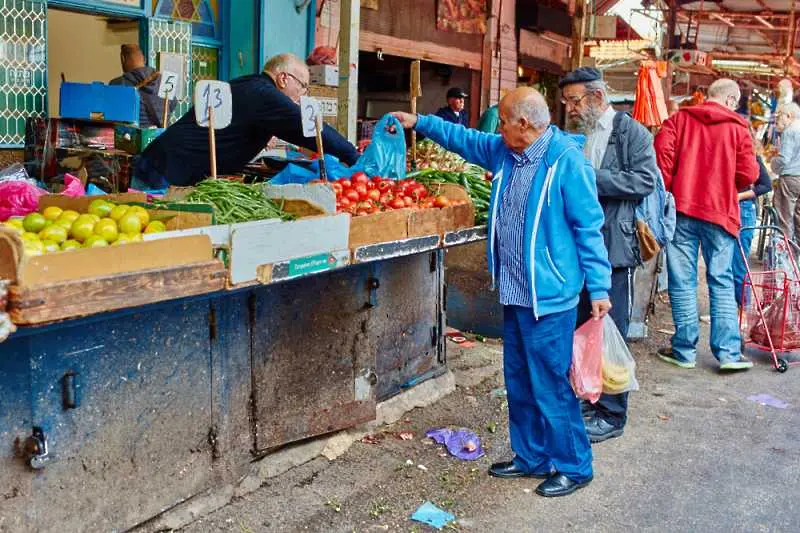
(545, 422)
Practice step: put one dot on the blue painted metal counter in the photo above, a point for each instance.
(143, 408)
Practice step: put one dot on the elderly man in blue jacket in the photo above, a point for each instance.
(544, 244)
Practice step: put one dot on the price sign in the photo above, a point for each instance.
(309, 111)
(168, 62)
(215, 95)
(166, 89)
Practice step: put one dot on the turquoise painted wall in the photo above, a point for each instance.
(241, 38)
(283, 29)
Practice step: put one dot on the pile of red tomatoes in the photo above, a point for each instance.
(360, 195)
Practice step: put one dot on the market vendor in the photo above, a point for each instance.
(454, 110)
(146, 80)
(264, 105)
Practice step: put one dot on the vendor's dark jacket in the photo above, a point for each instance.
(260, 111)
(446, 113)
(622, 187)
(151, 107)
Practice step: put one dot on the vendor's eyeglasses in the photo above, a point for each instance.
(299, 82)
(575, 100)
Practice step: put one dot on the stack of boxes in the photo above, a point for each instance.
(95, 138)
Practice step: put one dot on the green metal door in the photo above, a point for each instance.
(175, 37)
(23, 67)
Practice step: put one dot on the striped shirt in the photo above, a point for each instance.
(513, 281)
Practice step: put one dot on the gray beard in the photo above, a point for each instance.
(586, 123)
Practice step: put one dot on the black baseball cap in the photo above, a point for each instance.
(456, 92)
(580, 75)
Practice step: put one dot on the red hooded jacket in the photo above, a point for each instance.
(705, 154)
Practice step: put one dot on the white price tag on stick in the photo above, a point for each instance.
(309, 111)
(215, 95)
(169, 81)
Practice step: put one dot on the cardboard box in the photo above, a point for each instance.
(98, 101)
(81, 203)
(327, 75)
(134, 140)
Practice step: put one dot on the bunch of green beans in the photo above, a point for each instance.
(236, 202)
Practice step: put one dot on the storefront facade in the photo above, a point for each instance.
(219, 39)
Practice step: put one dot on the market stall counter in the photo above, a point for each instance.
(129, 409)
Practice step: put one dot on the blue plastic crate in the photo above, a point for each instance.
(98, 101)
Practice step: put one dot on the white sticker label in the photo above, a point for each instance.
(309, 110)
(166, 88)
(216, 96)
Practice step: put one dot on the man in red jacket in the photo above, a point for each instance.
(706, 156)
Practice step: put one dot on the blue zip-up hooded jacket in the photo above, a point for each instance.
(563, 244)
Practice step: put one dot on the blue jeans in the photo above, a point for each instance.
(545, 421)
(747, 208)
(682, 255)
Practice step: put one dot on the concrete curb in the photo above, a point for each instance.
(330, 447)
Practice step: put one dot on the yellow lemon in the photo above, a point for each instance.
(33, 248)
(95, 241)
(81, 229)
(107, 229)
(123, 238)
(50, 246)
(100, 207)
(35, 222)
(14, 223)
(28, 236)
(70, 244)
(118, 212)
(52, 212)
(131, 223)
(69, 214)
(55, 233)
(155, 226)
(17, 229)
(142, 213)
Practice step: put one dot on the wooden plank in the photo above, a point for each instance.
(475, 99)
(349, 23)
(372, 42)
(72, 299)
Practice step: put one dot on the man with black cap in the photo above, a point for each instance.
(621, 186)
(454, 110)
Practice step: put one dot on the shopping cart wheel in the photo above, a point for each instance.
(783, 365)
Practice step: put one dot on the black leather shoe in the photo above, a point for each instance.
(559, 485)
(509, 469)
(599, 430)
(587, 409)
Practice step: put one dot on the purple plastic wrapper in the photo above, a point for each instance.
(458, 442)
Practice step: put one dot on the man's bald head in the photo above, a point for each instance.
(290, 75)
(529, 103)
(523, 117)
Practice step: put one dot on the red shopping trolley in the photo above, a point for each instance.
(769, 319)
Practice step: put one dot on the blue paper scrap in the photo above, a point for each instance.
(766, 399)
(429, 514)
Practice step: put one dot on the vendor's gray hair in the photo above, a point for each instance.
(791, 109)
(722, 89)
(534, 109)
(598, 86)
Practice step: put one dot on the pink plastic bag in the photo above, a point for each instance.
(586, 371)
(73, 186)
(18, 198)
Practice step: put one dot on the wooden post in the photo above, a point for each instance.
(323, 171)
(212, 143)
(672, 20)
(349, 27)
(166, 111)
(414, 92)
(578, 33)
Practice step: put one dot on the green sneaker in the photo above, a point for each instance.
(739, 364)
(666, 355)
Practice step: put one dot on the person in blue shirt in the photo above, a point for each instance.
(264, 106)
(544, 244)
(454, 110)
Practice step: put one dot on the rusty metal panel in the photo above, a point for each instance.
(124, 402)
(15, 426)
(471, 304)
(231, 385)
(409, 321)
(313, 357)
